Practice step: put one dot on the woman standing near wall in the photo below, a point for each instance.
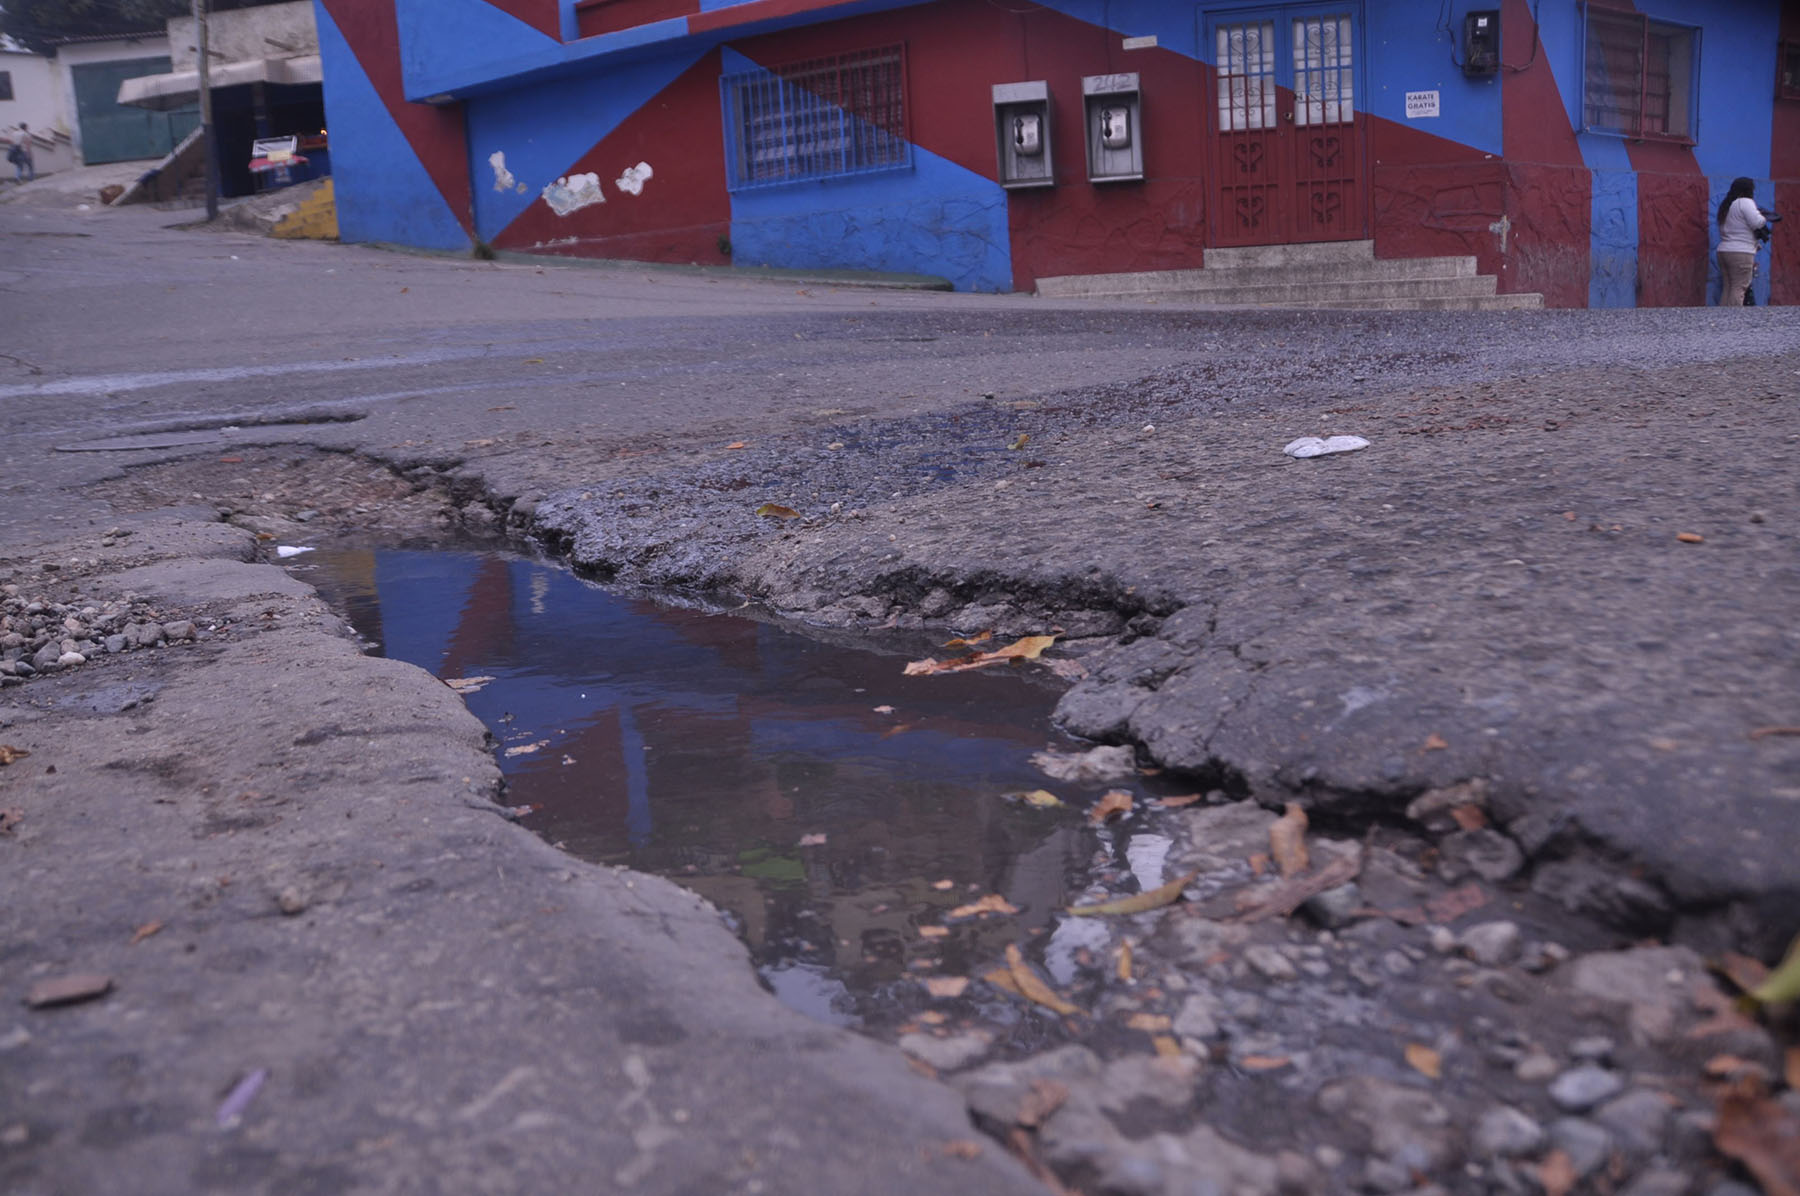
(1739, 218)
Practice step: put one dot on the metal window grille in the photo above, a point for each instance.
(1640, 77)
(6, 91)
(1246, 74)
(818, 119)
(1323, 75)
(1787, 67)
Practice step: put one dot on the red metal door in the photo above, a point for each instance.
(1287, 139)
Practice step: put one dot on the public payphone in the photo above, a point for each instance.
(1115, 135)
(1022, 134)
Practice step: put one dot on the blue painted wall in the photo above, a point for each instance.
(937, 218)
(383, 191)
(444, 42)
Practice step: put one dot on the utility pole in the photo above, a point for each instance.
(204, 57)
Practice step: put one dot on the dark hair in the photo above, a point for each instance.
(1741, 188)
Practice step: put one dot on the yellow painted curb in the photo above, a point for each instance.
(314, 220)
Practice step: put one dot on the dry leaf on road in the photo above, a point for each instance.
(1284, 897)
(1762, 1134)
(1263, 1062)
(1124, 967)
(1287, 841)
(1175, 803)
(774, 510)
(1149, 1023)
(145, 931)
(1114, 801)
(993, 903)
(9, 753)
(1556, 1174)
(1424, 1060)
(946, 986)
(466, 685)
(968, 641)
(1034, 989)
(1042, 798)
(1142, 903)
(1028, 648)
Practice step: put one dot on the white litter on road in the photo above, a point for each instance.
(282, 550)
(1312, 446)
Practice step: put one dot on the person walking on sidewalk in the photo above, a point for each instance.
(1739, 218)
(20, 155)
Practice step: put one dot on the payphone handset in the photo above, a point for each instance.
(1115, 127)
(1028, 134)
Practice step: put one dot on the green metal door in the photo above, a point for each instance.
(110, 133)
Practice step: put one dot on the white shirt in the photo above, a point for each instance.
(1741, 219)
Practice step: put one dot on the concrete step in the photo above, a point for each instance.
(1520, 301)
(1311, 253)
(1213, 278)
(1307, 294)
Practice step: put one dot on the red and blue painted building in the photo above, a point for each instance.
(1576, 149)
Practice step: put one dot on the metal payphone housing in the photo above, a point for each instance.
(1115, 132)
(1022, 134)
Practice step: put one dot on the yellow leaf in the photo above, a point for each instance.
(1042, 798)
(1287, 841)
(1166, 1047)
(993, 903)
(773, 510)
(1263, 1062)
(1002, 979)
(1142, 903)
(534, 361)
(946, 986)
(1020, 441)
(737, 444)
(1028, 648)
(1124, 968)
(145, 931)
(1116, 801)
(1424, 1060)
(1175, 803)
(1034, 989)
(467, 685)
(970, 641)
(933, 932)
(1149, 1023)
(1783, 983)
(1690, 538)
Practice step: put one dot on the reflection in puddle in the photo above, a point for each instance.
(830, 805)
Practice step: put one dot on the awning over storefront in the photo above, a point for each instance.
(182, 88)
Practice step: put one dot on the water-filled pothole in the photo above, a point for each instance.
(837, 810)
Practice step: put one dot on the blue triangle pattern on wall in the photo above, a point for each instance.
(384, 193)
(453, 38)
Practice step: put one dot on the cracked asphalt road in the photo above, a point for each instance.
(1496, 589)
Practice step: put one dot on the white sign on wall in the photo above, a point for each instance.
(1421, 104)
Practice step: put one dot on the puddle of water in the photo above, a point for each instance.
(831, 806)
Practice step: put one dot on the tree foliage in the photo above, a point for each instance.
(39, 23)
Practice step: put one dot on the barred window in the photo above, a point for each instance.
(1639, 76)
(817, 119)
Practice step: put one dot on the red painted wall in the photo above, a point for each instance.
(1433, 197)
(1674, 238)
(436, 134)
(1784, 157)
(545, 16)
(1550, 194)
(691, 211)
(957, 51)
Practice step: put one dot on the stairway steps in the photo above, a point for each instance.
(1338, 274)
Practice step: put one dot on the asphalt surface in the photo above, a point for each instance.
(1495, 589)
